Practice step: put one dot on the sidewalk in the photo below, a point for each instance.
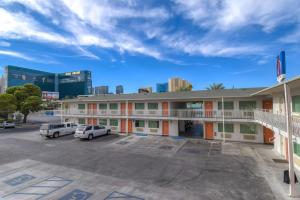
(272, 171)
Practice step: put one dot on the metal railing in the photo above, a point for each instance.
(173, 113)
(277, 120)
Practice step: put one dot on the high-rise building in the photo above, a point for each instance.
(119, 89)
(177, 84)
(102, 89)
(161, 87)
(68, 84)
(145, 90)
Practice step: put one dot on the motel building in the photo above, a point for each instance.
(249, 114)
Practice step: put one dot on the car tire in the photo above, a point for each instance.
(108, 132)
(90, 137)
(56, 135)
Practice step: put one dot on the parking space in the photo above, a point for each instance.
(129, 167)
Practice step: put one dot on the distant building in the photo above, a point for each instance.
(176, 84)
(145, 90)
(119, 89)
(162, 87)
(1, 84)
(101, 90)
(68, 84)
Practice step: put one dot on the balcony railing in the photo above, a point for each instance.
(277, 120)
(173, 113)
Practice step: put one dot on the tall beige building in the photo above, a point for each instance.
(176, 84)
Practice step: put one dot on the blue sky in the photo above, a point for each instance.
(139, 43)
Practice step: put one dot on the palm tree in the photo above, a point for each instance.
(216, 86)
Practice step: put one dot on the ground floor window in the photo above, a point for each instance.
(153, 124)
(113, 122)
(248, 128)
(103, 122)
(296, 104)
(229, 128)
(297, 149)
(139, 123)
(81, 121)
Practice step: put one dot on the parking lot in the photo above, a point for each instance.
(134, 167)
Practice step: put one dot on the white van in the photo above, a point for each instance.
(56, 130)
(91, 131)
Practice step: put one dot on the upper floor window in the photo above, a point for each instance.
(228, 105)
(152, 106)
(113, 106)
(102, 106)
(139, 106)
(247, 105)
(296, 103)
(297, 149)
(81, 106)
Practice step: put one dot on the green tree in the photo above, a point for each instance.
(216, 86)
(28, 98)
(7, 105)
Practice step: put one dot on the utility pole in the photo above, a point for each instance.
(288, 118)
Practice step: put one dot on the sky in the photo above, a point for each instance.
(138, 43)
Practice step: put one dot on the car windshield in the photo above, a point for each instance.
(81, 128)
(45, 127)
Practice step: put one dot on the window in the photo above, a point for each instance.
(88, 128)
(297, 149)
(229, 128)
(139, 106)
(153, 124)
(113, 122)
(103, 122)
(81, 121)
(81, 106)
(248, 128)
(96, 127)
(228, 105)
(152, 106)
(102, 127)
(139, 123)
(113, 106)
(247, 105)
(296, 103)
(102, 106)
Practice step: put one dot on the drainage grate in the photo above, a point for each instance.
(166, 147)
(280, 160)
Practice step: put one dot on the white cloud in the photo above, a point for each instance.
(228, 15)
(15, 54)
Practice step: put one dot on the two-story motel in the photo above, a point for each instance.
(249, 114)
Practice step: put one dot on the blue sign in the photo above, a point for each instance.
(19, 180)
(76, 195)
(281, 66)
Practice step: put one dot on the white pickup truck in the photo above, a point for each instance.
(56, 130)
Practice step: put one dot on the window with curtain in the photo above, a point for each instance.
(102, 106)
(81, 106)
(248, 128)
(247, 105)
(113, 106)
(296, 104)
(139, 106)
(228, 105)
(152, 106)
(229, 128)
(113, 122)
(103, 122)
(139, 123)
(153, 124)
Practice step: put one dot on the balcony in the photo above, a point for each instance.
(277, 121)
(172, 114)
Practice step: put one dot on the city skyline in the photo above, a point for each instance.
(144, 43)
